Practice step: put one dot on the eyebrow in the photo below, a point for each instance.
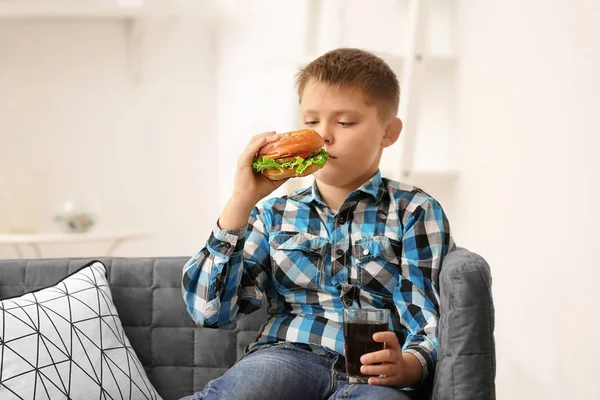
(334, 112)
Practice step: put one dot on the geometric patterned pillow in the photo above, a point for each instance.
(67, 342)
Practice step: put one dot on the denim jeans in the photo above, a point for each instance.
(284, 371)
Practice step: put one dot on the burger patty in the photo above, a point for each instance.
(288, 159)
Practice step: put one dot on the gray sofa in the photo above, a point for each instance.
(180, 358)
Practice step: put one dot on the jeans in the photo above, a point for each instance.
(283, 371)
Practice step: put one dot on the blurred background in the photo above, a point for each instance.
(124, 118)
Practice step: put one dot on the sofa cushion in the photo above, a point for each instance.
(67, 341)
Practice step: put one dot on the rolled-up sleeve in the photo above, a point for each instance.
(227, 277)
(426, 241)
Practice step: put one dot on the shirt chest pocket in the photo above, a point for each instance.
(297, 261)
(378, 261)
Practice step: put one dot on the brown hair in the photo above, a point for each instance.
(357, 69)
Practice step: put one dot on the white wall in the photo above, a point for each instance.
(69, 109)
(529, 99)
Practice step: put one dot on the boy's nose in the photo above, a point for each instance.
(325, 133)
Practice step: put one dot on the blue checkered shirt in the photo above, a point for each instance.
(382, 249)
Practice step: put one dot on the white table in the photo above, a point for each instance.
(36, 240)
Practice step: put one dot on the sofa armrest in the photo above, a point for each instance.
(466, 367)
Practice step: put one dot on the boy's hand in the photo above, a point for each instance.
(249, 187)
(398, 369)
(248, 184)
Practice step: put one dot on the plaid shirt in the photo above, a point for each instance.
(382, 249)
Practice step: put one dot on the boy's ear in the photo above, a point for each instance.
(392, 132)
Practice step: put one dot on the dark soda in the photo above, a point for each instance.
(358, 337)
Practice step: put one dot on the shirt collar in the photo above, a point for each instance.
(373, 188)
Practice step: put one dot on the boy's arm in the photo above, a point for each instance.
(227, 277)
(426, 241)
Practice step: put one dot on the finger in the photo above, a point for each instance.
(389, 338)
(272, 138)
(262, 135)
(259, 141)
(383, 369)
(386, 355)
(254, 146)
(385, 381)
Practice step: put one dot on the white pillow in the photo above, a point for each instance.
(67, 341)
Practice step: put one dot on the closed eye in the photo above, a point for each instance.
(311, 123)
(346, 124)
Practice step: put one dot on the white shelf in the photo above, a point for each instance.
(60, 238)
(100, 9)
(38, 9)
(35, 241)
(133, 13)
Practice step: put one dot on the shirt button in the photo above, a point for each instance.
(365, 252)
(227, 245)
(347, 301)
(339, 252)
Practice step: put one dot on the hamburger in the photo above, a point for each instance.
(295, 154)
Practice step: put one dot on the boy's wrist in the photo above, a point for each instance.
(243, 200)
(235, 214)
(242, 203)
(414, 370)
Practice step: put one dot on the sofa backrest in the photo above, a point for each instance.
(179, 357)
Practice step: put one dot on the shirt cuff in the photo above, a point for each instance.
(211, 313)
(426, 361)
(226, 242)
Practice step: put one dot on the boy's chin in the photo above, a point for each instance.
(331, 176)
(342, 177)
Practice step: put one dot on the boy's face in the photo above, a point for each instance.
(354, 134)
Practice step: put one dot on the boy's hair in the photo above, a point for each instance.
(356, 69)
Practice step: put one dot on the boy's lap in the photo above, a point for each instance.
(288, 373)
(279, 372)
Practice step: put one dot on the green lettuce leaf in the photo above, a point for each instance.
(264, 163)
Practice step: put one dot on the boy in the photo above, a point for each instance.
(352, 239)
